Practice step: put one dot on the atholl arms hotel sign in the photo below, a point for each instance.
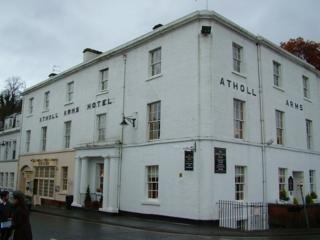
(237, 86)
(251, 91)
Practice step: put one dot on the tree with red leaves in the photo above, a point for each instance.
(304, 49)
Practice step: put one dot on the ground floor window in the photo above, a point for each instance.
(312, 175)
(64, 174)
(282, 175)
(11, 180)
(1, 180)
(152, 182)
(7, 180)
(44, 181)
(240, 182)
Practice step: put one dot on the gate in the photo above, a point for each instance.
(243, 216)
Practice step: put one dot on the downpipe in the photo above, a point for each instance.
(262, 125)
(122, 131)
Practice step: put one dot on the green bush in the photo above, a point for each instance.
(309, 199)
(313, 195)
(284, 195)
(295, 201)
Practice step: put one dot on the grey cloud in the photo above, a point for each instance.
(37, 34)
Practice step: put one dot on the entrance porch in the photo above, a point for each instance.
(98, 170)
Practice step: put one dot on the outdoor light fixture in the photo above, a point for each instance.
(131, 120)
(3, 143)
(206, 30)
(269, 142)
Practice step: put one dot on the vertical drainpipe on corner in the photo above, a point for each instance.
(122, 129)
(199, 119)
(262, 124)
(17, 187)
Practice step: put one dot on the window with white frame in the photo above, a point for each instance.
(312, 181)
(28, 138)
(104, 78)
(70, 91)
(155, 62)
(6, 150)
(64, 174)
(154, 117)
(44, 176)
(43, 139)
(309, 133)
(276, 74)
(238, 115)
(306, 87)
(46, 101)
(237, 51)
(11, 180)
(14, 149)
(282, 176)
(101, 127)
(280, 127)
(6, 179)
(152, 182)
(30, 105)
(1, 179)
(240, 182)
(312, 176)
(67, 134)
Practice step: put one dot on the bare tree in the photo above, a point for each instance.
(10, 97)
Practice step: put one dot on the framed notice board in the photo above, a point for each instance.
(220, 160)
(188, 160)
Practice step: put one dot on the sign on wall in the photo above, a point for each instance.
(220, 160)
(290, 184)
(188, 160)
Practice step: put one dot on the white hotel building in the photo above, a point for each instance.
(9, 151)
(213, 113)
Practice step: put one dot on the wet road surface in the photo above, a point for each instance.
(47, 227)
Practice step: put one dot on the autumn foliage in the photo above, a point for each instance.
(304, 49)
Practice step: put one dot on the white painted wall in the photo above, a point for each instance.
(195, 107)
(9, 164)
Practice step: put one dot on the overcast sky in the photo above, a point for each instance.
(35, 35)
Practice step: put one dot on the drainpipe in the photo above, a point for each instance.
(262, 124)
(17, 185)
(122, 130)
(199, 117)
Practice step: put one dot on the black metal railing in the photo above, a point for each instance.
(242, 215)
(94, 197)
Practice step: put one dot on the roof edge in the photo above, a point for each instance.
(203, 14)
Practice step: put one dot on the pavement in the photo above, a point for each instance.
(170, 227)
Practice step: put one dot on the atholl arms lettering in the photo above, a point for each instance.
(237, 86)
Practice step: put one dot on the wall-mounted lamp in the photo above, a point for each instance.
(206, 30)
(125, 121)
(269, 142)
(3, 143)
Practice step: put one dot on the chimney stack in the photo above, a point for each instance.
(89, 54)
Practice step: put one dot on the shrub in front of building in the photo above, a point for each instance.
(284, 196)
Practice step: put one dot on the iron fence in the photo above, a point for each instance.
(243, 216)
(94, 197)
